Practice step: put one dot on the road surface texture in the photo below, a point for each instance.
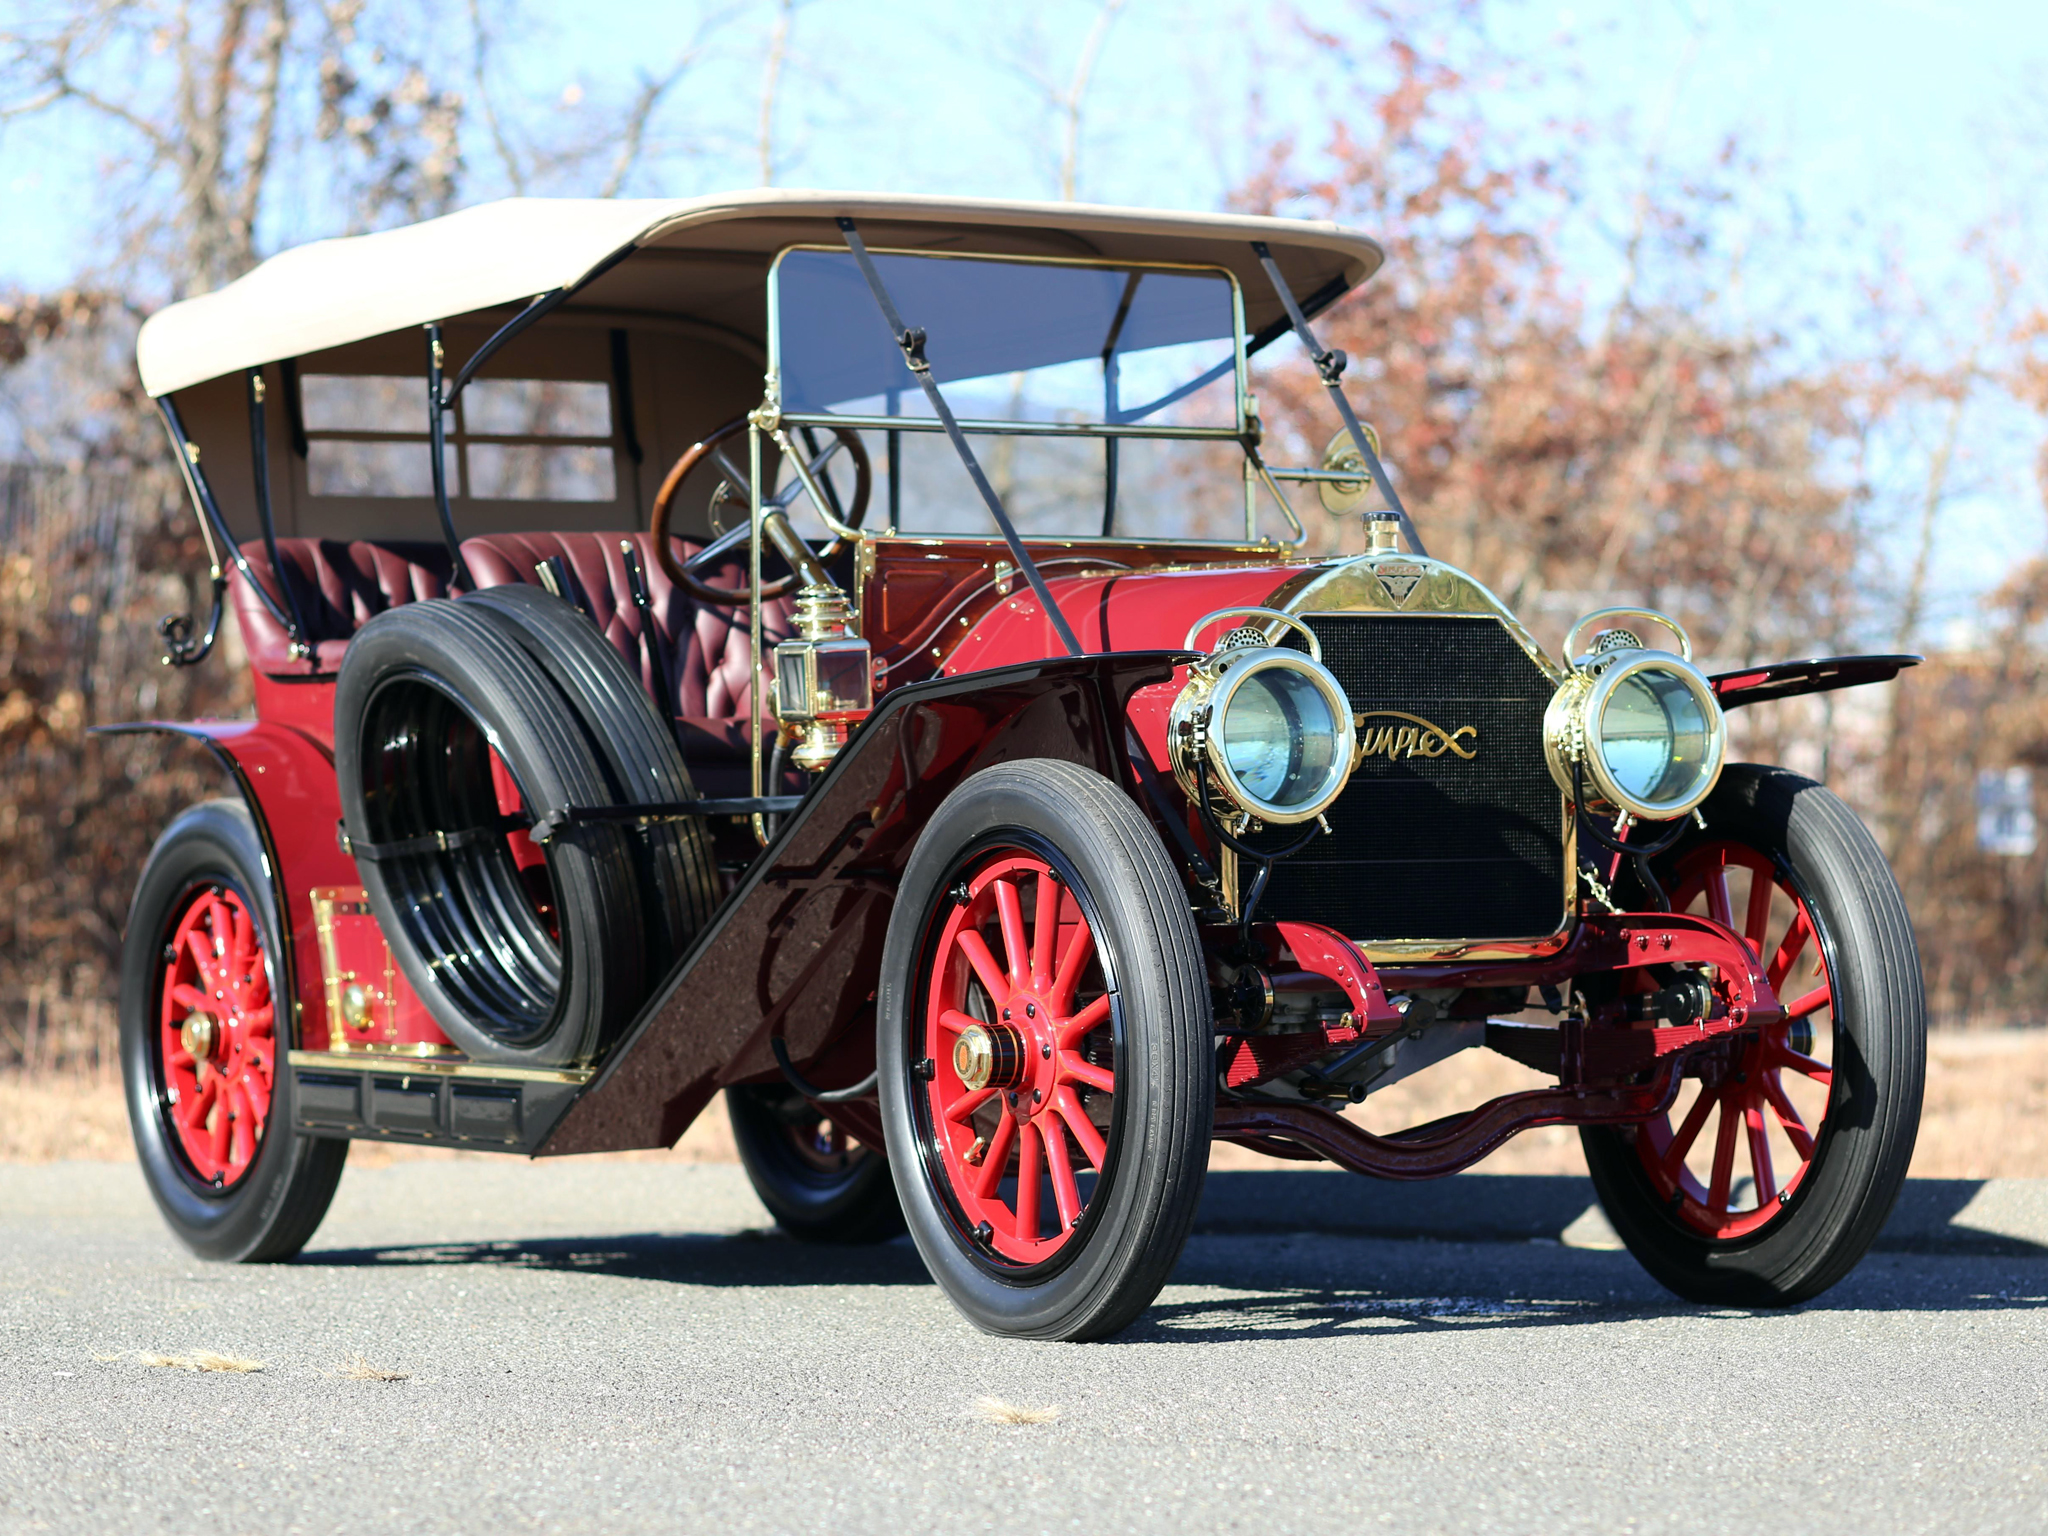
(628, 1347)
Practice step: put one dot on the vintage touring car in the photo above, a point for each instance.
(855, 653)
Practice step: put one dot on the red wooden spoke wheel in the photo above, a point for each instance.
(1778, 1164)
(217, 1028)
(1045, 1052)
(210, 1094)
(1741, 1139)
(1023, 1077)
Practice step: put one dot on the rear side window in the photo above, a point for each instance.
(508, 439)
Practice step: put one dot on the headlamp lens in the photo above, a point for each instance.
(1281, 738)
(1655, 737)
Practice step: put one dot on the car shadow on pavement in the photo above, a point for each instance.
(750, 1258)
(1318, 1254)
(1932, 1215)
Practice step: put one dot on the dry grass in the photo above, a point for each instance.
(52, 1117)
(1986, 1116)
(201, 1360)
(993, 1410)
(356, 1368)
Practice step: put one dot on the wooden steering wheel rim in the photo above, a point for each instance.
(678, 571)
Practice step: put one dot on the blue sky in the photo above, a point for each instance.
(1871, 114)
(1879, 124)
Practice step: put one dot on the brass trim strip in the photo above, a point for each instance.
(417, 1066)
(983, 426)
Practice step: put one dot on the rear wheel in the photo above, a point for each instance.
(1778, 1164)
(817, 1181)
(203, 1047)
(1044, 1050)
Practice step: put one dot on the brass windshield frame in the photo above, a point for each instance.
(1245, 406)
(770, 419)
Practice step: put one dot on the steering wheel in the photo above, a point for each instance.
(684, 572)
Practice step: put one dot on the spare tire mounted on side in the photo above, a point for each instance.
(449, 737)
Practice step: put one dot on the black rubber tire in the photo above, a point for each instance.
(855, 1205)
(421, 689)
(1880, 1059)
(273, 1209)
(678, 879)
(1134, 1230)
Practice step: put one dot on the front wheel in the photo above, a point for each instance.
(205, 1028)
(1045, 1049)
(1779, 1163)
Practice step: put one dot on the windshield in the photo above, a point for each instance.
(1013, 340)
(1119, 387)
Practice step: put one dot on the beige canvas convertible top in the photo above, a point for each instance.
(705, 260)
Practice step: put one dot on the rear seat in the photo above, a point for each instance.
(340, 587)
(704, 646)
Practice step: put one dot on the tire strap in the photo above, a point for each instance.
(545, 828)
(431, 842)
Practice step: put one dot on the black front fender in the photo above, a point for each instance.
(795, 951)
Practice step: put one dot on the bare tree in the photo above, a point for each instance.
(652, 91)
(771, 82)
(196, 103)
(1063, 93)
(590, 142)
(1074, 97)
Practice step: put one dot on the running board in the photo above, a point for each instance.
(428, 1102)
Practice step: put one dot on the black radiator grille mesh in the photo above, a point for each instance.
(1434, 847)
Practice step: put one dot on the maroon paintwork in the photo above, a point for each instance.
(1149, 610)
(287, 777)
(969, 674)
(797, 948)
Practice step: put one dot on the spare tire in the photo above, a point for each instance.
(677, 876)
(538, 972)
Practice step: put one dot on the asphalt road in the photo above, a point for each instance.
(622, 1347)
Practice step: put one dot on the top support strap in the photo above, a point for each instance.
(912, 341)
(1330, 364)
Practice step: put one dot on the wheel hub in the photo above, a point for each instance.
(990, 1056)
(199, 1034)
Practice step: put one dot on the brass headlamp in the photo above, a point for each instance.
(1269, 728)
(1634, 729)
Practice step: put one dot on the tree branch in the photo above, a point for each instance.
(515, 172)
(1076, 93)
(771, 79)
(263, 133)
(633, 131)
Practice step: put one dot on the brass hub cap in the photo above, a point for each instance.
(199, 1034)
(989, 1055)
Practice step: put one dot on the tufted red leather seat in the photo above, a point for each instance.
(340, 588)
(704, 647)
